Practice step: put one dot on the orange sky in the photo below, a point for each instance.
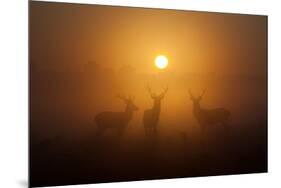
(67, 36)
(226, 54)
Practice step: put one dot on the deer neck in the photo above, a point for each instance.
(196, 108)
(129, 113)
(156, 107)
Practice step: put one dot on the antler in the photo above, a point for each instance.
(123, 97)
(164, 92)
(150, 92)
(190, 94)
(202, 93)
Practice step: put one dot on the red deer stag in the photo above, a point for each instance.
(116, 120)
(207, 117)
(151, 116)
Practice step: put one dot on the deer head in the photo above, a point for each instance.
(196, 100)
(129, 101)
(159, 97)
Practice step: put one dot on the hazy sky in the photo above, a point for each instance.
(226, 54)
(67, 36)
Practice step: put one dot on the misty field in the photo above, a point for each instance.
(65, 147)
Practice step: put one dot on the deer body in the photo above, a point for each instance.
(209, 116)
(151, 116)
(115, 120)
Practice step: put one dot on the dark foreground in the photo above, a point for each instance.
(64, 161)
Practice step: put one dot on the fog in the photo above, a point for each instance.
(82, 57)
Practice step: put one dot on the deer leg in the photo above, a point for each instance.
(226, 127)
(149, 132)
(204, 135)
(100, 131)
(203, 129)
(154, 130)
(154, 137)
(224, 123)
(146, 131)
(120, 132)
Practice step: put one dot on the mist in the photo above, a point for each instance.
(83, 57)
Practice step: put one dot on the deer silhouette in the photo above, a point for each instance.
(207, 117)
(116, 120)
(151, 116)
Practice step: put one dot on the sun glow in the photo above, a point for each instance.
(161, 62)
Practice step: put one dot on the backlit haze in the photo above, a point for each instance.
(83, 56)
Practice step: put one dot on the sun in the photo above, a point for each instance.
(161, 62)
